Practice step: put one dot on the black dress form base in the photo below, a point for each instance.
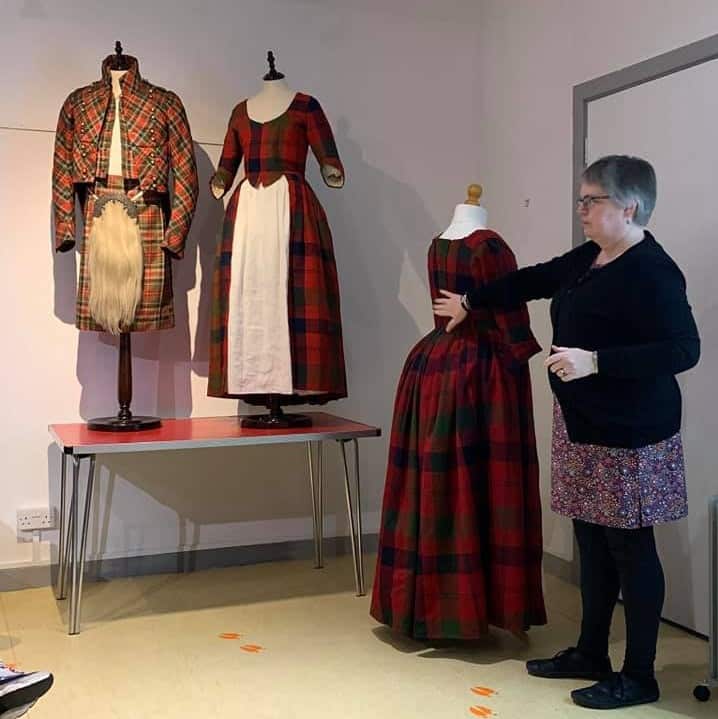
(276, 419)
(124, 421)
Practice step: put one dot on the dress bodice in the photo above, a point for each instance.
(279, 146)
(453, 266)
(479, 258)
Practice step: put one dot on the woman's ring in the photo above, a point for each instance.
(561, 372)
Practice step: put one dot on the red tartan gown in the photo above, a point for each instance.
(460, 543)
(270, 150)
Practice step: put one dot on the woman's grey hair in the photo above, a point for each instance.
(628, 180)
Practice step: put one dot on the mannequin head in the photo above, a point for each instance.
(273, 73)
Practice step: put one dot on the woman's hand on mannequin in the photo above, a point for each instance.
(570, 363)
(450, 306)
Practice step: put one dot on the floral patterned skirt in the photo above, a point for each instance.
(615, 486)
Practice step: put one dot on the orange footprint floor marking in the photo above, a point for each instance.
(484, 691)
(253, 648)
(481, 711)
(229, 635)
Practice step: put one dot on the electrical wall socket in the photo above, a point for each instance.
(31, 519)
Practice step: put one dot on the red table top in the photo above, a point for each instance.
(192, 432)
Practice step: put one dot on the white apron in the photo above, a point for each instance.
(258, 349)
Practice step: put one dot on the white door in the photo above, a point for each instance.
(672, 123)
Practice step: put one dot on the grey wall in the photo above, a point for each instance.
(531, 55)
(397, 86)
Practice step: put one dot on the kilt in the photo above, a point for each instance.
(155, 310)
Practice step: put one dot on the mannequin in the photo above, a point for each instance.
(271, 102)
(274, 98)
(468, 216)
(431, 583)
(125, 274)
(277, 316)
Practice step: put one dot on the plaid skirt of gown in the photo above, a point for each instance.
(460, 542)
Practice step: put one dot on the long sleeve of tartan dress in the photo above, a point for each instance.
(460, 543)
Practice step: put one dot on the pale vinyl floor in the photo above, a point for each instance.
(297, 644)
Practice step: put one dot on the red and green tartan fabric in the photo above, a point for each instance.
(460, 543)
(156, 141)
(271, 150)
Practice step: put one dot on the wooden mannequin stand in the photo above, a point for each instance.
(124, 421)
(276, 419)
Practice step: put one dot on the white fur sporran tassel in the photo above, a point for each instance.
(115, 268)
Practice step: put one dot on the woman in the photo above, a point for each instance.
(622, 330)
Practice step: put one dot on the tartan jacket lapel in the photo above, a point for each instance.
(156, 139)
(94, 109)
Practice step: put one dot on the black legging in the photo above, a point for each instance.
(625, 559)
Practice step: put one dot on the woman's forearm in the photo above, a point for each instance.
(529, 283)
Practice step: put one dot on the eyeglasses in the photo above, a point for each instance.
(588, 201)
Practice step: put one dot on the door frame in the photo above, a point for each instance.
(654, 68)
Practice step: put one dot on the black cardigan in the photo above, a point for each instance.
(635, 314)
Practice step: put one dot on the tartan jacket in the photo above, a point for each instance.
(156, 138)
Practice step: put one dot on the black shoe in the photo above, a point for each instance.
(570, 664)
(616, 692)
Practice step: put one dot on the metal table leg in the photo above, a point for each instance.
(69, 547)
(72, 542)
(360, 547)
(79, 539)
(320, 499)
(317, 501)
(702, 692)
(354, 514)
(61, 584)
(713, 509)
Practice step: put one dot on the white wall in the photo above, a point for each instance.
(424, 97)
(396, 84)
(532, 53)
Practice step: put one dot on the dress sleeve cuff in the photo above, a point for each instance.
(64, 240)
(333, 174)
(174, 245)
(220, 182)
